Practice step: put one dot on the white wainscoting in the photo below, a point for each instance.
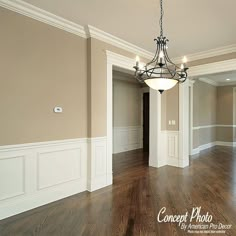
(127, 138)
(32, 175)
(99, 166)
(172, 147)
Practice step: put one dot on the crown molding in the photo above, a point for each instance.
(36, 13)
(209, 81)
(212, 68)
(39, 14)
(207, 54)
(94, 32)
(217, 84)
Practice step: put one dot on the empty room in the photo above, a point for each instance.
(117, 118)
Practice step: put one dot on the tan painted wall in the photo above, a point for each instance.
(225, 114)
(172, 108)
(41, 67)
(126, 103)
(46, 64)
(204, 112)
(212, 105)
(163, 111)
(225, 105)
(97, 82)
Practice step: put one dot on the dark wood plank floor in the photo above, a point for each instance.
(131, 205)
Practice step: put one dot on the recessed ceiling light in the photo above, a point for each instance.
(227, 79)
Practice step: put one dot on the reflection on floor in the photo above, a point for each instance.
(131, 205)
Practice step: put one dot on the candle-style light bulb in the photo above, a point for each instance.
(182, 66)
(161, 55)
(137, 61)
(185, 60)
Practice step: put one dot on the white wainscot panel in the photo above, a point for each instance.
(127, 138)
(172, 144)
(35, 174)
(98, 175)
(12, 177)
(59, 166)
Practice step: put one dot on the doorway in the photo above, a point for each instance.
(146, 100)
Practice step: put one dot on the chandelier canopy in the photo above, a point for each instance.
(161, 73)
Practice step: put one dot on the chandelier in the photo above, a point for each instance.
(161, 73)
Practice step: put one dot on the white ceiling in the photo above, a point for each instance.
(191, 25)
(220, 78)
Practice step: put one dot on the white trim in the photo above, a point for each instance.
(36, 13)
(210, 145)
(209, 81)
(39, 14)
(212, 126)
(184, 124)
(214, 83)
(99, 175)
(24, 146)
(156, 148)
(208, 53)
(191, 83)
(94, 32)
(157, 143)
(49, 171)
(127, 138)
(227, 144)
(212, 68)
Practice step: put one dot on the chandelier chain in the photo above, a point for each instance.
(161, 19)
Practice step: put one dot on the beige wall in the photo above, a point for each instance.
(97, 82)
(212, 106)
(204, 113)
(204, 104)
(172, 108)
(41, 67)
(225, 113)
(225, 105)
(126, 103)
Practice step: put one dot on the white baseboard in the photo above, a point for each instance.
(228, 144)
(34, 174)
(127, 138)
(209, 145)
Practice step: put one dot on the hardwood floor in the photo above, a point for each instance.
(131, 205)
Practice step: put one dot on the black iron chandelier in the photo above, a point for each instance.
(161, 73)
